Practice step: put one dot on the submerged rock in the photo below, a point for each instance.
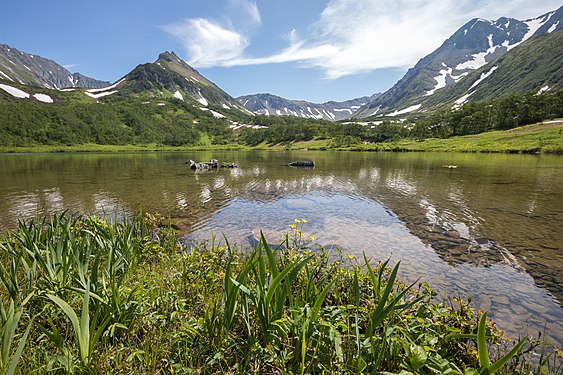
(305, 163)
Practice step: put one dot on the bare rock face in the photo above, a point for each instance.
(27, 69)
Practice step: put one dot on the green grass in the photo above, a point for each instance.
(542, 138)
(537, 138)
(97, 296)
(117, 148)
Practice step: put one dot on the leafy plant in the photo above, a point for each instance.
(86, 332)
(485, 365)
(8, 325)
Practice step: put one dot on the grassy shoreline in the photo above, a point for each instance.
(82, 294)
(546, 137)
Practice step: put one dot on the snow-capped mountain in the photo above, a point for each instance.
(27, 69)
(272, 105)
(475, 44)
(535, 65)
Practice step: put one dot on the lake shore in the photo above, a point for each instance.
(546, 137)
(148, 304)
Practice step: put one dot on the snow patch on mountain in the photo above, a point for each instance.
(14, 91)
(201, 99)
(480, 59)
(458, 103)
(553, 27)
(483, 76)
(101, 94)
(534, 25)
(542, 90)
(94, 91)
(5, 75)
(406, 110)
(178, 95)
(343, 110)
(442, 78)
(217, 114)
(214, 113)
(43, 98)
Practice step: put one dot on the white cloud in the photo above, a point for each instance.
(246, 9)
(208, 43)
(519, 9)
(350, 36)
(211, 43)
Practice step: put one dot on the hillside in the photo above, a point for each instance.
(170, 77)
(535, 65)
(474, 45)
(31, 116)
(27, 69)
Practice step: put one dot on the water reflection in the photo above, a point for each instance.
(489, 228)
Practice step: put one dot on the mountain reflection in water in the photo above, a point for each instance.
(489, 229)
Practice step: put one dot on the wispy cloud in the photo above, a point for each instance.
(208, 43)
(350, 36)
(213, 43)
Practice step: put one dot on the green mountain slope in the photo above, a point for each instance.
(469, 49)
(533, 65)
(170, 77)
(32, 116)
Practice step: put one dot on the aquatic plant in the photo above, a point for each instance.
(124, 296)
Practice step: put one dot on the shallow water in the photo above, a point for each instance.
(490, 229)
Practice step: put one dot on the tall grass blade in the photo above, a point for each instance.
(10, 322)
(270, 254)
(316, 310)
(81, 327)
(482, 343)
(73, 319)
(17, 355)
(501, 362)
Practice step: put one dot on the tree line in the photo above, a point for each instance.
(27, 123)
(471, 118)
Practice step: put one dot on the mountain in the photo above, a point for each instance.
(470, 48)
(171, 77)
(533, 65)
(267, 104)
(27, 69)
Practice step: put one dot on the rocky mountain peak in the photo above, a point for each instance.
(470, 48)
(28, 69)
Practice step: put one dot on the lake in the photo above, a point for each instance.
(490, 229)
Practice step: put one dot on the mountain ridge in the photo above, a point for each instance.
(171, 77)
(269, 104)
(34, 70)
(472, 46)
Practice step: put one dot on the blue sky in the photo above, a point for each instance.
(315, 50)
